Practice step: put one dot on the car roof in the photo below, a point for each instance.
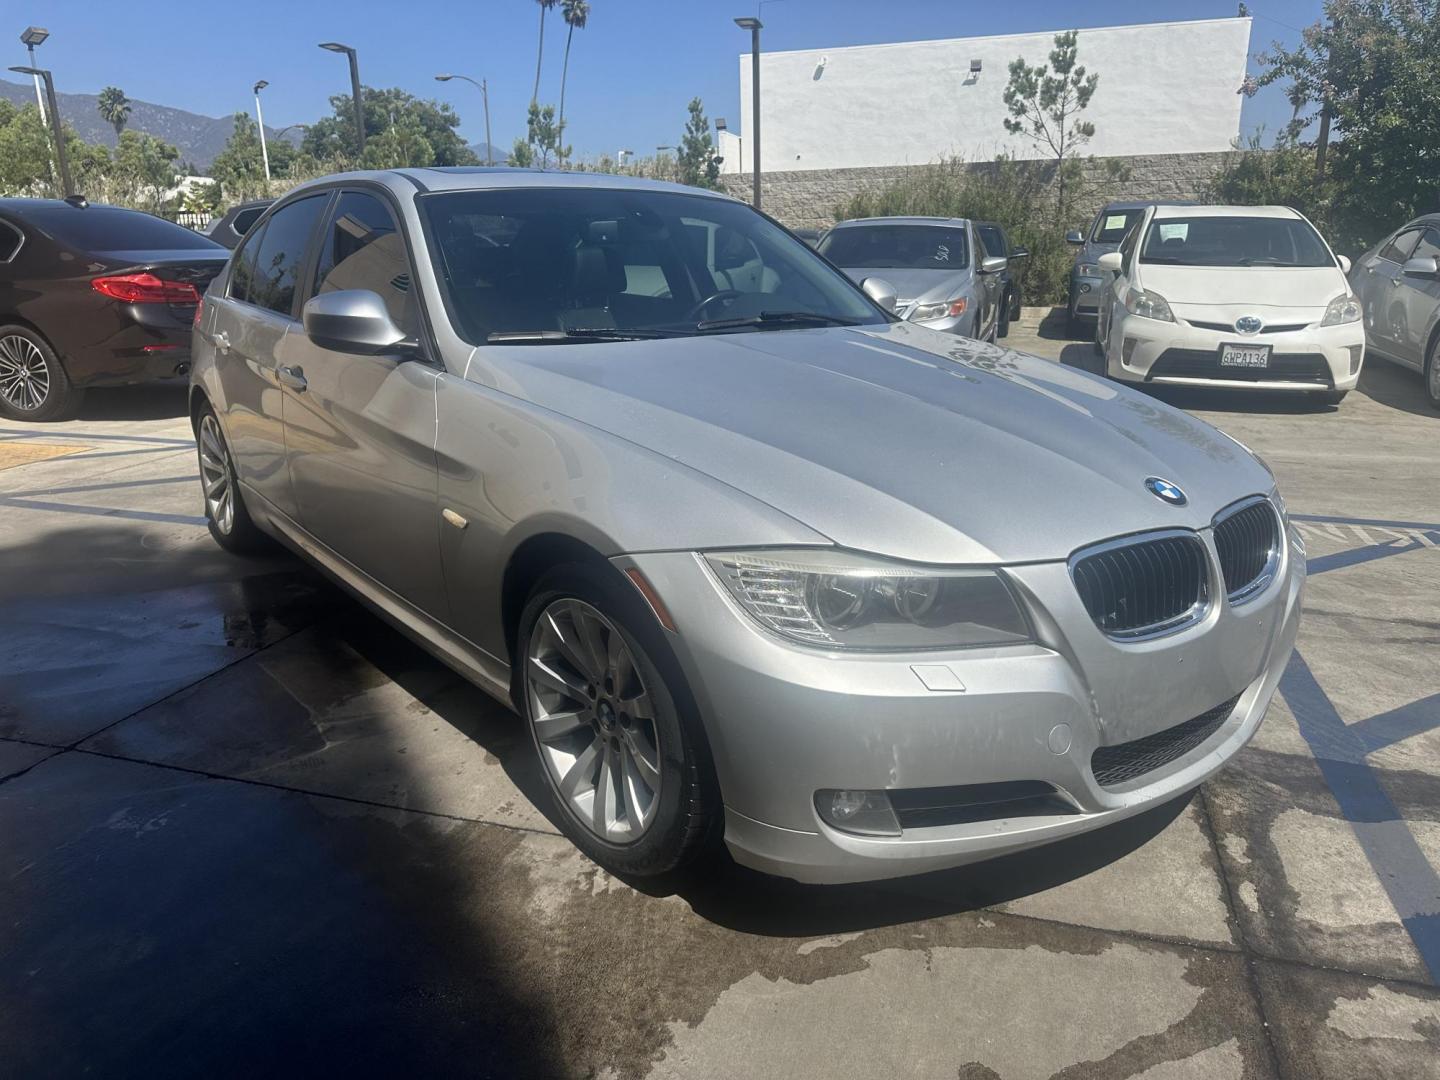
(1226, 211)
(914, 219)
(20, 206)
(484, 177)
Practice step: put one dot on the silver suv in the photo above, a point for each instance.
(751, 557)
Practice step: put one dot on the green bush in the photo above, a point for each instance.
(1015, 194)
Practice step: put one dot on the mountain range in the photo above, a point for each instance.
(198, 138)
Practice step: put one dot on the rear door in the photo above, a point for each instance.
(1418, 297)
(990, 286)
(255, 326)
(360, 430)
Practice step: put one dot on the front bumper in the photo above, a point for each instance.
(1177, 353)
(785, 721)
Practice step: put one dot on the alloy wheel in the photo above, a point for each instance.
(215, 475)
(24, 374)
(594, 721)
(1432, 373)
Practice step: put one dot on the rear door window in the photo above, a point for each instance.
(362, 248)
(280, 254)
(10, 241)
(1400, 246)
(242, 274)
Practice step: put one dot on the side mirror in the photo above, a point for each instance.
(1111, 261)
(1429, 266)
(881, 291)
(1344, 265)
(1020, 253)
(993, 264)
(353, 321)
(1074, 236)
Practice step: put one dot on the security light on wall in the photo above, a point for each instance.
(974, 67)
(720, 124)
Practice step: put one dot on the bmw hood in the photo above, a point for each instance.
(895, 439)
(927, 285)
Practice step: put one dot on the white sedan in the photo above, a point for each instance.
(1230, 296)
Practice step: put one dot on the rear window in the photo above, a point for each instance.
(1112, 225)
(1234, 241)
(109, 228)
(899, 247)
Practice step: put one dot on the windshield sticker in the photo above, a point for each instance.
(1179, 230)
(942, 253)
(1114, 221)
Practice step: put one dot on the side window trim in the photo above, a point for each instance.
(305, 272)
(19, 240)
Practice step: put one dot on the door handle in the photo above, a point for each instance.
(222, 341)
(293, 377)
(1394, 282)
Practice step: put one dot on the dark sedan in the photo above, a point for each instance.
(93, 296)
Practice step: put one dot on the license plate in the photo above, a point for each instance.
(1247, 356)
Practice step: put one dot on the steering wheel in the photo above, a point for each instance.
(724, 294)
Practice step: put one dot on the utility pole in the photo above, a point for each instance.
(56, 128)
(1323, 143)
(754, 26)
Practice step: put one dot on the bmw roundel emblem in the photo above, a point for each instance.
(1248, 324)
(1165, 491)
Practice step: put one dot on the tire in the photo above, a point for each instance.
(1331, 397)
(1002, 318)
(1014, 304)
(1432, 373)
(225, 514)
(33, 382)
(602, 730)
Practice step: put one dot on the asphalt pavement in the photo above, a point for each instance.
(246, 828)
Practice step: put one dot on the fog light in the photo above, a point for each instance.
(1357, 354)
(865, 812)
(1127, 350)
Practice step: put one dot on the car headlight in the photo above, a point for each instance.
(947, 309)
(1148, 305)
(1087, 269)
(839, 599)
(1343, 309)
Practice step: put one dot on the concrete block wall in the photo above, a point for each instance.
(807, 199)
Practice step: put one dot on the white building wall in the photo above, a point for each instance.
(1165, 88)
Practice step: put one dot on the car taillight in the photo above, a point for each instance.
(199, 312)
(145, 289)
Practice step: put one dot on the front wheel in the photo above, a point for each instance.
(622, 752)
(1002, 319)
(33, 382)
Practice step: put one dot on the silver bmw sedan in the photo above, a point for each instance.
(752, 558)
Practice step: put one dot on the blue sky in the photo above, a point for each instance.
(632, 70)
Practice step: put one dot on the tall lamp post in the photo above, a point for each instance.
(260, 119)
(335, 46)
(55, 129)
(485, 96)
(35, 35)
(754, 26)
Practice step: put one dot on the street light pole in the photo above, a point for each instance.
(56, 130)
(754, 26)
(35, 35)
(335, 46)
(260, 119)
(485, 96)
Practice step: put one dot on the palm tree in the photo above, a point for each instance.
(114, 108)
(574, 12)
(545, 6)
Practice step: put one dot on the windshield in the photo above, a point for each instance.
(1112, 225)
(1234, 241)
(898, 247)
(109, 228)
(538, 265)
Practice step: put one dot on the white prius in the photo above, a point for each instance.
(1230, 296)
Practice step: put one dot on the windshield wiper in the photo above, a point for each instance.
(1165, 260)
(578, 333)
(1265, 262)
(777, 319)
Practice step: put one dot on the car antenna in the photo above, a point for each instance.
(77, 201)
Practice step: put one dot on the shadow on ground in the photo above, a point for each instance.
(164, 402)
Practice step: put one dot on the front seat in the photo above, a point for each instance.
(595, 276)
